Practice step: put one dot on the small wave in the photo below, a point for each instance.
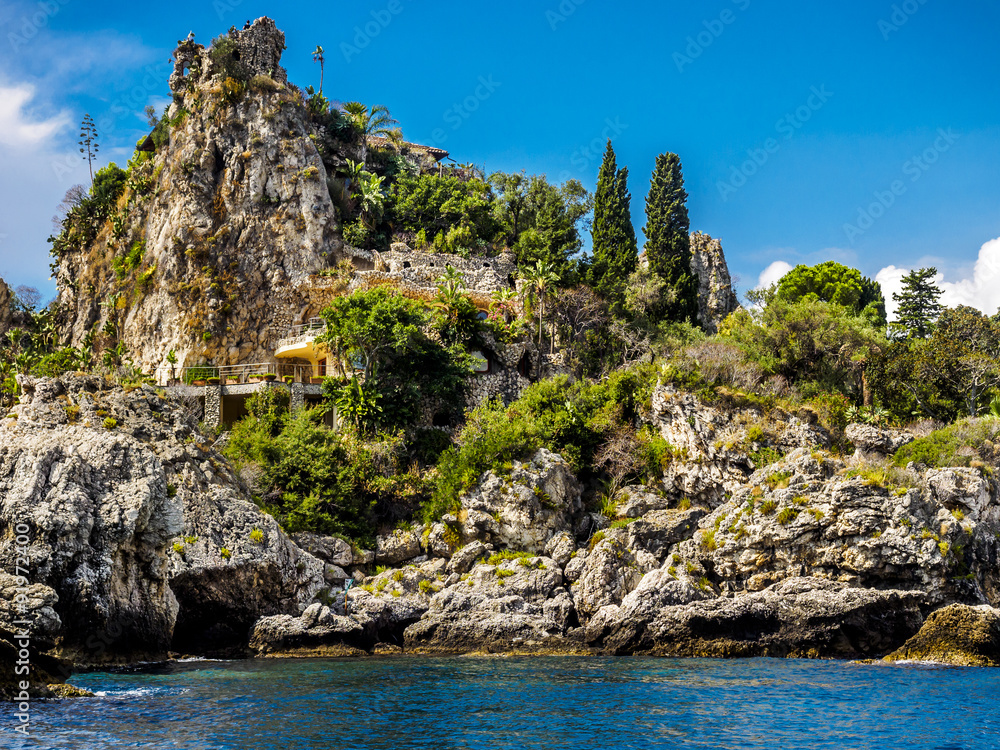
(145, 692)
(193, 659)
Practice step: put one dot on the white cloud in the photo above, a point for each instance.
(39, 163)
(773, 274)
(981, 290)
(17, 128)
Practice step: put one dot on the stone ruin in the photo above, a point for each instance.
(258, 49)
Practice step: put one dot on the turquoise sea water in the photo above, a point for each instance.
(522, 703)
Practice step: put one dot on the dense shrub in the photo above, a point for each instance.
(573, 419)
(311, 478)
(968, 442)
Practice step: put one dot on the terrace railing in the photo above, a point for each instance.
(302, 333)
(236, 374)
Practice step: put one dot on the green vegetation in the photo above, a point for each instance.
(968, 442)
(917, 305)
(668, 246)
(385, 335)
(835, 284)
(577, 419)
(615, 253)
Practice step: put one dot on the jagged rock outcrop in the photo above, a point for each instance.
(229, 219)
(958, 634)
(137, 525)
(800, 617)
(716, 298)
(99, 520)
(713, 446)
(515, 605)
(811, 515)
(875, 442)
(6, 314)
(524, 510)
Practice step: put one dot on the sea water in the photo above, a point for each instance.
(522, 703)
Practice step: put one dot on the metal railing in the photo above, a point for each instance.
(313, 324)
(302, 333)
(238, 374)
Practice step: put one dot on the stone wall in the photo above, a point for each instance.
(417, 274)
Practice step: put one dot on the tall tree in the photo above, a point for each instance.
(374, 121)
(918, 307)
(318, 56)
(836, 283)
(540, 280)
(668, 244)
(615, 251)
(88, 143)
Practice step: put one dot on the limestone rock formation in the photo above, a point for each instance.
(959, 634)
(138, 526)
(874, 442)
(713, 446)
(800, 617)
(99, 520)
(6, 314)
(524, 511)
(806, 515)
(229, 218)
(515, 605)
(716, 298)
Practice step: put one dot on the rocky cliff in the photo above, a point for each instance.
(815, 555)
(716, 298)
(210, 248)
(6, 315)
(139, 539)
(135, 535)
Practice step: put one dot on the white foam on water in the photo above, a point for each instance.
(144, 692)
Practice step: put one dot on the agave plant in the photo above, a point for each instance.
(995, 408)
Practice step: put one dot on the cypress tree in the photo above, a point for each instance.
(668, 244)
(919, 308)
(616, 253)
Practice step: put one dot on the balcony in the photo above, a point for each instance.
(299, 340)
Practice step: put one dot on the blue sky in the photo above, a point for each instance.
(866, 132)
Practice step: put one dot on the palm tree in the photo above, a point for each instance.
(540, 280)
(372, 198)
(373, 122)
(318, 57)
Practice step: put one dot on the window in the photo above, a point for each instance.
(480, 363)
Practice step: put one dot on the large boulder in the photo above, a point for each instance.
(875, 442)
(800, 617)
(94, 507)
(958, 634)
(515, 605)
(524, 510)
(609, 572)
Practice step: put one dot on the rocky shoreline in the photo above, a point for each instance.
(143, 543)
